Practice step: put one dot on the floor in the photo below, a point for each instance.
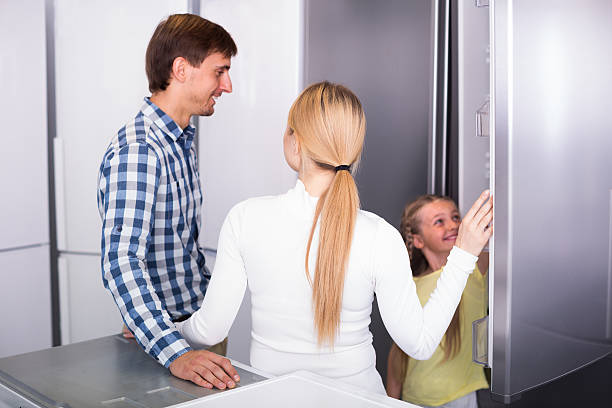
(588, 387)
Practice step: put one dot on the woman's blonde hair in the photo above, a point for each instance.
(410, 226)
(330, 125)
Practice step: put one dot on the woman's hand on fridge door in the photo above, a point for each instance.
(476, 227)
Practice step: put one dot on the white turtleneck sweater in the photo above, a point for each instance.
(263, 244)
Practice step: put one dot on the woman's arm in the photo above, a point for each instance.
(415, 329)
(211, 323)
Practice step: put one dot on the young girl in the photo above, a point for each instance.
(313, 261)
(449, 378)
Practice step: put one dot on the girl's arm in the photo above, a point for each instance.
(483, 262)
(394, 372)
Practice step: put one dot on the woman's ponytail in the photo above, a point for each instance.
(337, 211)
(329, 123)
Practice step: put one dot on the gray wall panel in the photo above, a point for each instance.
(381, 50)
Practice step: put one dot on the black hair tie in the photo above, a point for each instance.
(343, 167)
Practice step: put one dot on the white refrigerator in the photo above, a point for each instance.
(25, 284)
(100, 84)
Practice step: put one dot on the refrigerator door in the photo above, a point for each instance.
(552, 161)
(100, 83)
(25, 296)
(472, 96)
(24, 208)
(87, 309)
(240, 146)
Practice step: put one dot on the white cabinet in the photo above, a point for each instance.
(23, 114)
(100, 85)
(25, 300)
(25, 293)
(241, 148)
(87, 309)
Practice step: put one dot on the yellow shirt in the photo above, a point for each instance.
(433, 382)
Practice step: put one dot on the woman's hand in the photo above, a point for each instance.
(476, 228)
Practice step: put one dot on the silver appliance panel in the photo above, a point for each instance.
(552, 155)
(107, 372)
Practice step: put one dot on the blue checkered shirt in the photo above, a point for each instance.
(150, 200)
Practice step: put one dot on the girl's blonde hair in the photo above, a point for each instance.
(330, 125)
(410, 226)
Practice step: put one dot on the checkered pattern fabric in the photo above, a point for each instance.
(150, 200)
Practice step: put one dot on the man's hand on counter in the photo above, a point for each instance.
(127, 333)
(205, 369)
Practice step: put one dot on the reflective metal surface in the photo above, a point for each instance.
(301, 389)
(553, 175)
(110, 371)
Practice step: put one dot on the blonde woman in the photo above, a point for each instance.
(313, 261)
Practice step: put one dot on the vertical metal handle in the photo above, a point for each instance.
(60, 194)
(480, 341)
(439, 98)
(431, 185)
(482, 120)
(64, 298)
(609, 313)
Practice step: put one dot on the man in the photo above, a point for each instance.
(149, 197)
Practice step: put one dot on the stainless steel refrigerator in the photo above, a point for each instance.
(511, 95)
(551, 176)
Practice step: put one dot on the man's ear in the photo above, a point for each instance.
(417, 241)
(180, 67)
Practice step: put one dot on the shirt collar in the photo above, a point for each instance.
(167, 125)
(301, 200)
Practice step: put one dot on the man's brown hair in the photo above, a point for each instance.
(183, 35)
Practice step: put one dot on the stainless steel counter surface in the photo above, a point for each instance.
(108, 372)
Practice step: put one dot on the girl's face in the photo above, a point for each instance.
(439, 226)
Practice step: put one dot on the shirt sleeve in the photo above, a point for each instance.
(128, 184)
(212, 322)
(416, 329)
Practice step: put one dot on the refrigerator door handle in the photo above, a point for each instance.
(480, 341)
(482, 119)
(439, 98)
(60, 193)
(64, 296)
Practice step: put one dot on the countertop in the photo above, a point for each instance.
(114, 372)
